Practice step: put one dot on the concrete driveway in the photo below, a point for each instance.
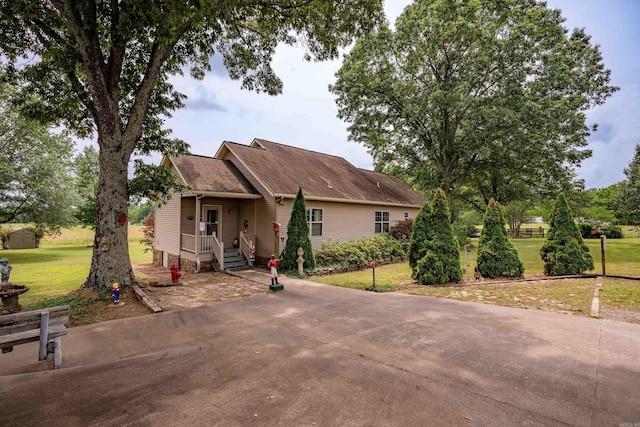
(316, 355)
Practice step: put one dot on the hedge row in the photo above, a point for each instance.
(358, 253)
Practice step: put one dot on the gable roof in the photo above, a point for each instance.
(212, 176)
(282, 168)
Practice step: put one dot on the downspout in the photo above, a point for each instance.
(197, 232)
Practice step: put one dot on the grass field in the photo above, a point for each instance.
(622, 258)
(51, 271)
(572, 296)
(79, 236)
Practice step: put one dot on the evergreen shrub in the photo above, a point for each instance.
(497, 257)
(435, 241)
(298, 236)
(564, 251)
(420, 234)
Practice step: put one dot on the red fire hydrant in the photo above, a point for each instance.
(175, 274)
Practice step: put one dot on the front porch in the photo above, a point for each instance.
(208, 249)
(217, 232)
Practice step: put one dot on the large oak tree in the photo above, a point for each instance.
(489, 95)
(104, 66)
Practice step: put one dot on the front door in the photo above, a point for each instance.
(212, 222)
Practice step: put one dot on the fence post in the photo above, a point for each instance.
(603, 248)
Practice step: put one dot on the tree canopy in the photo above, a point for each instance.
(489, 95)
(86, 170)
(105, 67)
(629, 199)
(35, 170)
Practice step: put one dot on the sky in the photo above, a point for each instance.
(305, 114)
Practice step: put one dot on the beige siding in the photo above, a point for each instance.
(345, 221)
(188, 210)
(167, 235)
(265, 209)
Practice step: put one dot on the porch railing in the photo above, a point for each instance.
(246, 241)
(207, 244)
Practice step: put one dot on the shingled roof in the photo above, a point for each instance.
(282, 168)
(212, 175)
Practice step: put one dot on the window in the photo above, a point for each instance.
(382, 222)
(314, 219)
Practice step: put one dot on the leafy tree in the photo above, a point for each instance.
(564, 251)
(515, 212)
(497, 257)
(104, 67)
(604, 204)
(35, 171)
(421, 233)
(629, 200)
(441, 262)
(139, 212)
(487, 94)
(149, 232)
(298, 236)
(87, 169)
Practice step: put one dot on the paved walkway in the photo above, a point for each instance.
(317, 355)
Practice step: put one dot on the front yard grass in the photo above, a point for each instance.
(618, 294)
(568, 295)
(52, 272)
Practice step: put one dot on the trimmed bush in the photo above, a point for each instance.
(358, 253)
(497, 257)
(441, 260)
(401, 231)
(298, 236)
(564, 251)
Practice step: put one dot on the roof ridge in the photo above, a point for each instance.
(304, 149)
(192, 155)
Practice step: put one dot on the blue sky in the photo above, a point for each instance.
(305, 115)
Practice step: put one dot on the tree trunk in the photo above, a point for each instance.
(110, 262)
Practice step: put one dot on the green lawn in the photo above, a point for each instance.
(54, 271)
(622, 258)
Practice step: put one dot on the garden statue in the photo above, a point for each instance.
(5, 270)
(8, 291)
(273, 265)
(115, 292)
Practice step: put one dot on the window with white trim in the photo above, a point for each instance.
(381, 222)
(314, 219)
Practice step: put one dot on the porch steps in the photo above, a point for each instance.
(234, 261)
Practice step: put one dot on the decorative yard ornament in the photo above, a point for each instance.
(273, 266)
(5, 270)
(300, 261)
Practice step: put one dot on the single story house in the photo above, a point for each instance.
(237, 197)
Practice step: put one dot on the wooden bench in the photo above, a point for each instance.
(46, 325)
